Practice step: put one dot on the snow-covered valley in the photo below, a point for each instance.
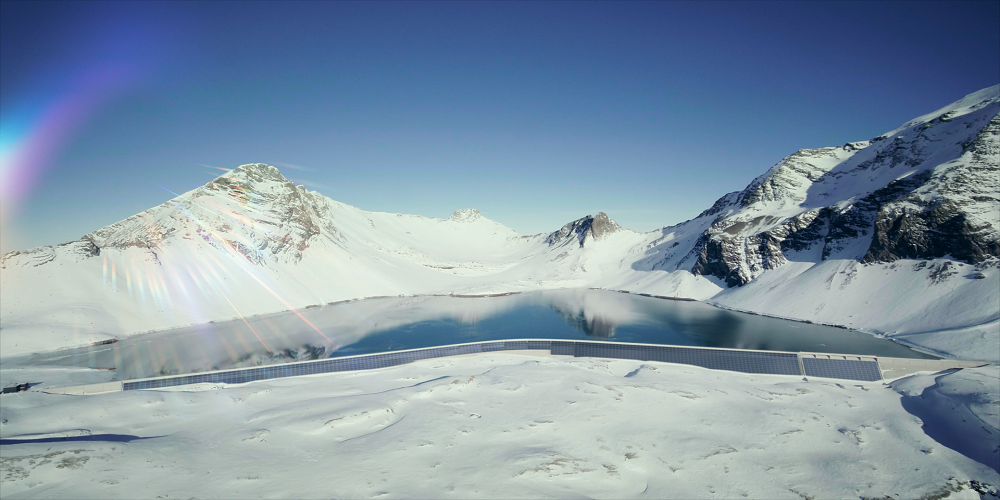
(897, 236)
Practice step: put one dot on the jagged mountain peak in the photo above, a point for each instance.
(603, 226)
(466, 215)
(257, 172)
(590, 227)
(252, 177)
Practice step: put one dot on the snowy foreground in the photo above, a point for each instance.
(509, 425)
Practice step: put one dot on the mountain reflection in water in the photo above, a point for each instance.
(396, 323)
(597, 326)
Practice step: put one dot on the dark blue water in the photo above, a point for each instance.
(659, 321)
(398, 323)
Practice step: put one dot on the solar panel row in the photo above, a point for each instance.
(776, 363)
(851, 369)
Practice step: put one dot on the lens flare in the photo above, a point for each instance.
(250, 327)
(142, 290)
(208, 234)
(163, 288)
(196, 282)
(180, 284)
(290, 308)
(33, 128)
(217, 168)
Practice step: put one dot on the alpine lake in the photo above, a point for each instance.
(396, 323)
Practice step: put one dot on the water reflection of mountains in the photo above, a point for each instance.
(596, 326)
(386, 324)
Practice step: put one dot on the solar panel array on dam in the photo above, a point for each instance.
(863, 368)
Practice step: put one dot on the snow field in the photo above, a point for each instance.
(498, 425)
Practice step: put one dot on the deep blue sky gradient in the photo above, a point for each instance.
(534, 113)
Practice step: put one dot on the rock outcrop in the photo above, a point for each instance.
(580, 231)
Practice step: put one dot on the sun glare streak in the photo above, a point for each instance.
(226, 345)
(204, 352)
(289, 306)
(224, 269)
(173, 353)
(142, 289)
(207, 278)
(163, 288)
(157, 357)
(154, 289)
(211, 193)
(281, 240)
(211, 231)
(114, 277)
(248, 326)
(180, 284)
(217, 168)
(128, 281)
(239, 336)
(195, 279)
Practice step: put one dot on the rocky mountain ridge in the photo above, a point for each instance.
(927, 190)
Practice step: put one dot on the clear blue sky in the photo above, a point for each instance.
(534, 113)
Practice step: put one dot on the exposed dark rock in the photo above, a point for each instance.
(941, 231)
(576, 230)
(580, 230)
(602, 226)
(804, 230)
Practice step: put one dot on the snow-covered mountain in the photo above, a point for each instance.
(925, 190)
(899, 235)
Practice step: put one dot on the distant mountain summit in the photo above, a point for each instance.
(466, 215)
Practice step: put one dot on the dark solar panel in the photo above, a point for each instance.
(539, 344)
(492, 346)
(776, 363)
(515, 345)
(563, 348)
(852, 369)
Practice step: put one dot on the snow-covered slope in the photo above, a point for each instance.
(504, 425)
(900, 235)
